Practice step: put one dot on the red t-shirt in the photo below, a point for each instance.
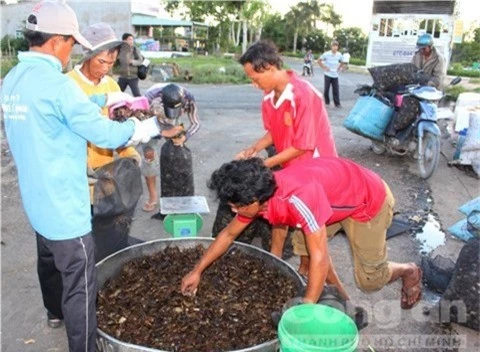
(323, 191)
(299, 119)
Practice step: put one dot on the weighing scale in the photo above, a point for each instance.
(183, 217)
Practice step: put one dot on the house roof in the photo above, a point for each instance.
(143, 20)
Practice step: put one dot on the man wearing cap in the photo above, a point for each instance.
(48, 121)
(430, 61)
(331, 62)
(91, 74)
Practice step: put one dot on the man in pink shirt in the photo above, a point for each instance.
(312, 195)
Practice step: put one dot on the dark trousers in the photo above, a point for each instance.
(67, 274)
(132, 82)
(326, 90)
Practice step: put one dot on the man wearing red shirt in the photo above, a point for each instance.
(293, 111)
(294, 117)
(312, 195)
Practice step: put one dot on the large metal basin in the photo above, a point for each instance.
(110, 267)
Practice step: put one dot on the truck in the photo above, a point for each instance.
(396, 25)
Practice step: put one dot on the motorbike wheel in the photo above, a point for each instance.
(378, 148)
(429, 155)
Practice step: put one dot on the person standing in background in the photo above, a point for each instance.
(129, 59)
(331, 63)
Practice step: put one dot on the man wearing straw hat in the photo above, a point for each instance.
(48, 121)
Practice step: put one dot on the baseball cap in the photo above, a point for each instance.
(55, 17)
(102, 37)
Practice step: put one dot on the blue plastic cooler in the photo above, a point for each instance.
(369, 117)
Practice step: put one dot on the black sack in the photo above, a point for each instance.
(118, 187)
(142, 72)
(176, 171)
(390, 77)
(257, 228)
(406, 114)
(110, 234)
(464, 289)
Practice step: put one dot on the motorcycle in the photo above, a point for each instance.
(420, 138)
(307, 69)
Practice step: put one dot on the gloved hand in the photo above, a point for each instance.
(277, 315)
(117, 97)
(141, 133)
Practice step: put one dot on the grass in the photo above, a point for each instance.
(207, 69)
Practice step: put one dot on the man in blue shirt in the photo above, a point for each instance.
(331, 62)
(48, 121)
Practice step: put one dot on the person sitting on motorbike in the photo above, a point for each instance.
(308, 60)
(430, 61)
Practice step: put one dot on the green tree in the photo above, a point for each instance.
(476, 35)
(353, 39)
(329, 16)
(301, 19)
(274, 30)
(315, 40)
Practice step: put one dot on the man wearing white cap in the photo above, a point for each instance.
(48, 121)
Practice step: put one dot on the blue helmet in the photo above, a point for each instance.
(424, 40)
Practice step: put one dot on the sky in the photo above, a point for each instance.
(356, 13)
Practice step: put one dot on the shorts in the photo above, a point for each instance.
(368, 242)
(151, 168)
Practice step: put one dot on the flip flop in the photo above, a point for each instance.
(415, 288)
(149, 206)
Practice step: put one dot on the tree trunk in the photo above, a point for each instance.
(295, 38)
(231, 35)
(258, 34)
(245, 35)
(237, 37)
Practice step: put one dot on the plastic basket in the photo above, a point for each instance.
(317, 328)
(369, 117)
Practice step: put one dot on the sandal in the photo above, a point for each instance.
(149, 206)
(414, 289)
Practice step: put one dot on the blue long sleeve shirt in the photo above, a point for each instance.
(48, 121)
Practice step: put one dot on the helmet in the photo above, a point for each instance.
(173, 97)
(424, 40)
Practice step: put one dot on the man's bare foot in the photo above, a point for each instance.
(411, 287)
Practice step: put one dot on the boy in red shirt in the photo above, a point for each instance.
(312, 195)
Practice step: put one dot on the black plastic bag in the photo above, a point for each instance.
(176, 171)
(110, 233)
(463, 290)
(142, 72)
(118, 187)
